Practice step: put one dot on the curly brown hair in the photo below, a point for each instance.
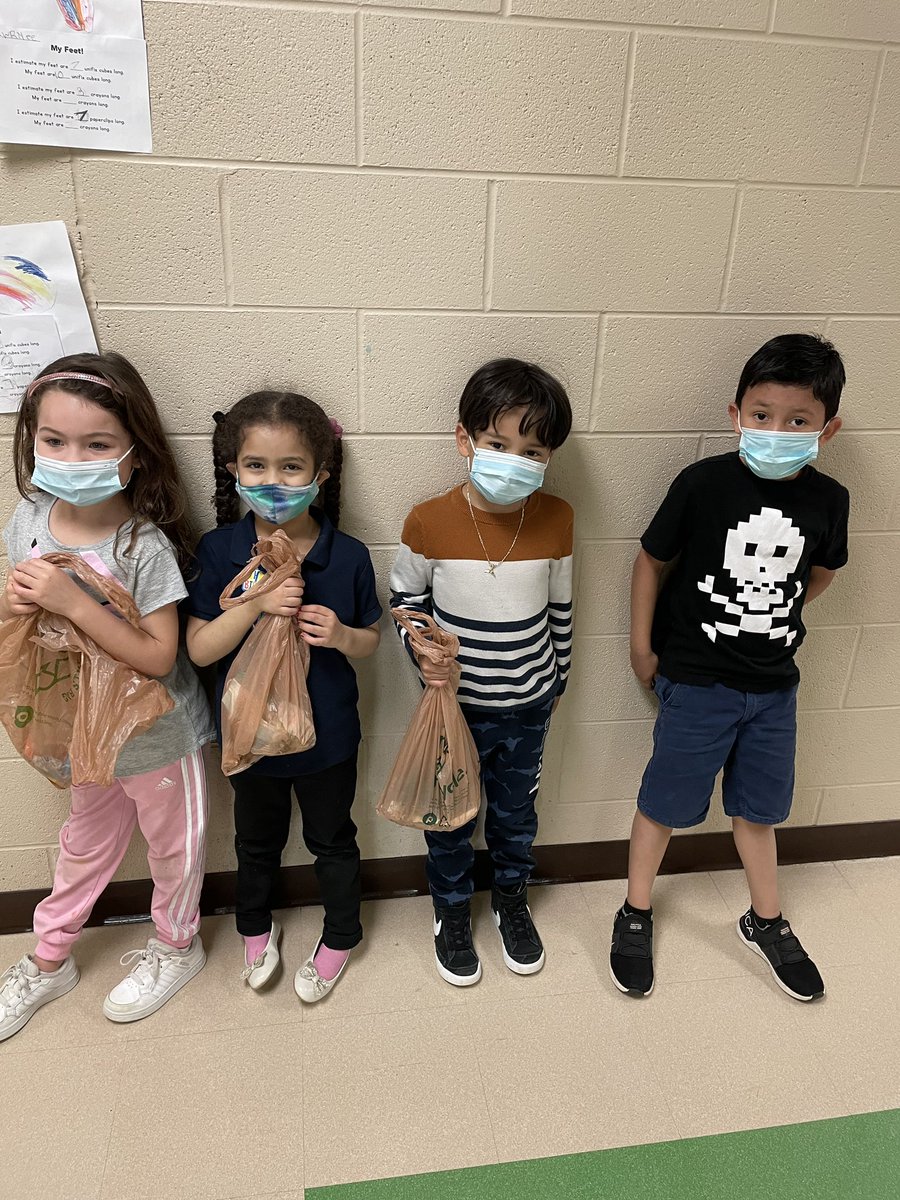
(155, 490)
(274, 409)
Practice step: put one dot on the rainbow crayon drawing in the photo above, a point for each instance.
(78, 14)
(24, 288)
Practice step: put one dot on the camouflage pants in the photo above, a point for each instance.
(510, 748)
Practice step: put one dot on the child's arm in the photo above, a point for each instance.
(208, 641)
(559, 597)
(645, 581)
(320, 627)
(410, 585)
(150, 649)
(819, 580)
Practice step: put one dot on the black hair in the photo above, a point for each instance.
(507, 383)
(272, 409)
(803, 359)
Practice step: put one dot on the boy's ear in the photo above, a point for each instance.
(735, 413)
(462, 441)
(834, 427)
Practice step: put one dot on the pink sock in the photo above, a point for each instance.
(254, 946)
(329, 962)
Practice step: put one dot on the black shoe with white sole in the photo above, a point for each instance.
(454, 951)
(523, 951)
(793, 969)
(631, 955)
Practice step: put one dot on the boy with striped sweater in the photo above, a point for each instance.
(491, 561)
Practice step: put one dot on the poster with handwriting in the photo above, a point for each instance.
(42, 310)
(74, 73)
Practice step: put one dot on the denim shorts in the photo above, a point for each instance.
(750, 736)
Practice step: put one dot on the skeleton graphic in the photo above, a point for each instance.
(760, 554)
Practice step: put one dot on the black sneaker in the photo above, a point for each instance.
(454, 951)
(631, 956)
(523, 951)
(794, 971)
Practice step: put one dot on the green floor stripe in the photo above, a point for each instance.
(848, 1158)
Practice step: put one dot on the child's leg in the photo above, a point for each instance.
(92, 843)
(646, 849)
(325, 800)
(759, 854)
(262, 822)
(172, 812)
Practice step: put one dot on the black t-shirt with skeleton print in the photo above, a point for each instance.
(731, 610)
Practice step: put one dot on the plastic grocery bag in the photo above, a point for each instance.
(67, 706)
(436, 780)
(265, 705)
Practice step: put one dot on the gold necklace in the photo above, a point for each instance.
(492, 566)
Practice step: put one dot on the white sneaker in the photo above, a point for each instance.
(157, 975)
(260, 971)
(309, 984)
(24, 988)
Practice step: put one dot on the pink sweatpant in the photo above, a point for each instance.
(170, 807)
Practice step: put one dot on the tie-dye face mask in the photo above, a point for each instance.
(277, 503)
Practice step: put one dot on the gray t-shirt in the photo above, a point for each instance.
(151, 574)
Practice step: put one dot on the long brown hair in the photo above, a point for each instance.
(154, 490)
(271, 409)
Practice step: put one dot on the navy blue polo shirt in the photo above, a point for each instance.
(337, 574)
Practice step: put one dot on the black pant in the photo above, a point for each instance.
(262, 822)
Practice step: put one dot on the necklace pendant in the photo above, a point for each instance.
(492, 569)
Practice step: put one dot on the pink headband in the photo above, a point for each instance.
(42, 379)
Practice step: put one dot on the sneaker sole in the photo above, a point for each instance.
(125, 1018)
(456, 980)
(516, 967)
(26, 1016)
(631, 991)
(784, 987)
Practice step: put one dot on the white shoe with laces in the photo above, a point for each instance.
(159, 971)
(309, 984)
(24, 988)
(260, 971)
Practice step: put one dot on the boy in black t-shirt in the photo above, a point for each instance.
(757, 534)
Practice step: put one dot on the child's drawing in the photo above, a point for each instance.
(78, 14)
(24, 288)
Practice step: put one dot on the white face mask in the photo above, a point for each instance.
(79, 483)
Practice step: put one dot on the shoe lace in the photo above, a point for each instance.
(308, 971)
(14, 986)
(145, 971)
(456, 930)
(521, 925)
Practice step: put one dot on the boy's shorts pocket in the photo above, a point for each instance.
(665, 690)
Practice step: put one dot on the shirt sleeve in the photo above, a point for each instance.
(560, 605)
(367, 609)
(666, 535)
(207, 581)
(832, 553)
(412, 575)
(158, 580)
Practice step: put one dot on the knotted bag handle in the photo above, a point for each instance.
(426, 636)
(108, 586)
(278, 557)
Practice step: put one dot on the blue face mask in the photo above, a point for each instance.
(505, 478)
(778, 455)
(277, 503)
(79, 483)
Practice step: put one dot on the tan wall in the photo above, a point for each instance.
(365, 204)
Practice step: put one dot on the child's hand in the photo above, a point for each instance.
(18, 608)
(319, 626)
(645, 665)
(285, 601)
(434, 674)
(37, 583)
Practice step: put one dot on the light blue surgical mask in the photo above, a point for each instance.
(276, 502)
(79, 483)
(778, 455)
(504, 478)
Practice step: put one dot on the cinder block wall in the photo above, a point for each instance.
(365, 202)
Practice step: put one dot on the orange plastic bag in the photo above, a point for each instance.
(265, 705)
(67, 706)
(436, 780)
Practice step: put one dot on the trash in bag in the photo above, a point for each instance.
(67, 705)
(265, 705)
(435, 782)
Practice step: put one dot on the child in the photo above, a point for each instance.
(757, 535)
(103, 483)
(276, 451)
(491, 561)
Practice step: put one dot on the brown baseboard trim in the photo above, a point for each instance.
(384, 878)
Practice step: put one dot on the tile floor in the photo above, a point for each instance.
(228, 1095)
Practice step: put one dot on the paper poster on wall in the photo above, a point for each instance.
(42, 310)
(74, 73)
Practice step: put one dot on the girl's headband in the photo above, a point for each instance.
(42, 379)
